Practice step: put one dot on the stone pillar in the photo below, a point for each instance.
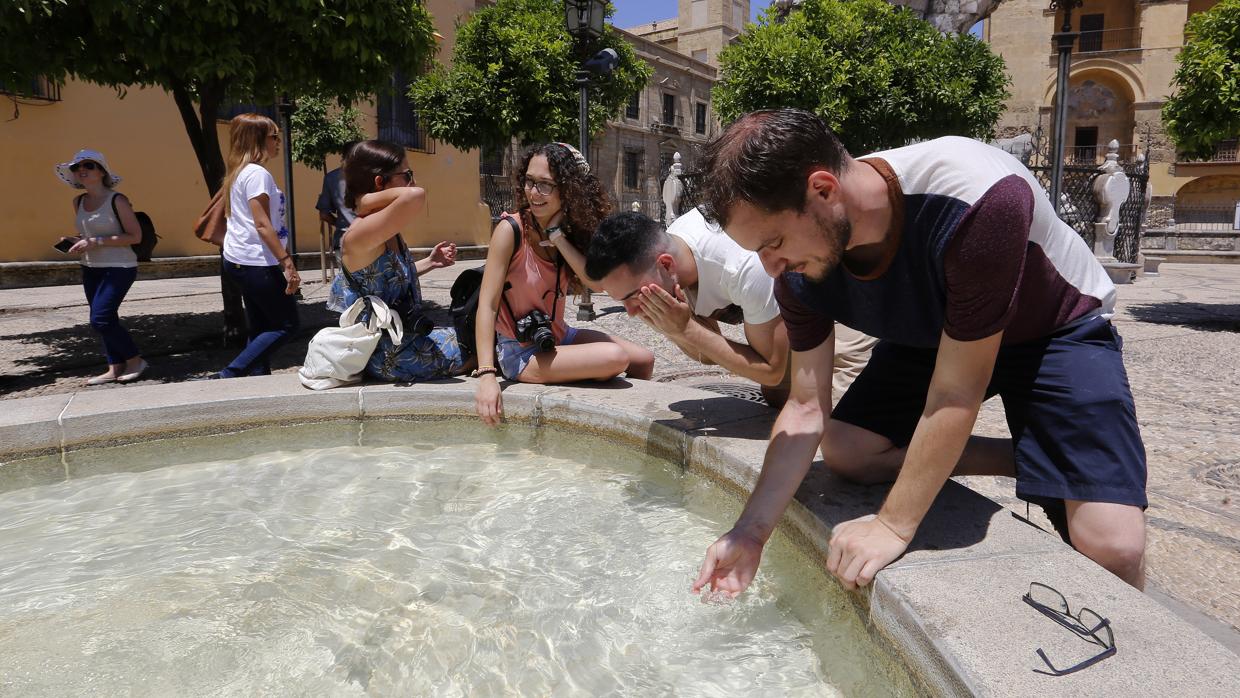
(1111, 190)
(673, 190)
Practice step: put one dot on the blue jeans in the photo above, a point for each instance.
(105, 290)
(271, 316)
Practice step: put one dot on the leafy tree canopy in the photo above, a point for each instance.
(877, 74)
(320, 128)
(1205, 108)
(512, 74)
(208, 51)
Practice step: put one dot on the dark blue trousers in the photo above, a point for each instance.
(270, 314)
(105, 290)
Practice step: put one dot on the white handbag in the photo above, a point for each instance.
(337, 355)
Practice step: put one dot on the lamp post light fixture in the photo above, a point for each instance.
(584, 18)
(1064, 39)
(584, 21)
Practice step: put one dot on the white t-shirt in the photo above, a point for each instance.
(242, 245)
(728, 274)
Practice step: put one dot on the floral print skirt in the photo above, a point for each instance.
(426, 357)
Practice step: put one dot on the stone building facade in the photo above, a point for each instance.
(673, 112)
(1121, 75)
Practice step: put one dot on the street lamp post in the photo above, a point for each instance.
(286, 108)
(1064, 40)
(584, 21)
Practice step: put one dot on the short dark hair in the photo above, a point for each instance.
(763, 159)
(365, 161)
(627, 238)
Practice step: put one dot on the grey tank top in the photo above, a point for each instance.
(102, 222)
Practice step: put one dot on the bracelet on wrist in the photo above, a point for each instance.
(484, 370)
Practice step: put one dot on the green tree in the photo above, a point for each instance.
(320, 127)
(512, 75)
(877, 74)
(209, 52)
(1205, 108)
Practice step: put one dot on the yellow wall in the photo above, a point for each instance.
(144, 140)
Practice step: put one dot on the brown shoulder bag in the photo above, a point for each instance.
(212, 225)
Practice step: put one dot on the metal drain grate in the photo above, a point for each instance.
(743, 391)
(1225, 476)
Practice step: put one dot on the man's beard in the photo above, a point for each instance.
(834, 236)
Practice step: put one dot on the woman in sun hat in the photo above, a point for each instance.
(106, 227)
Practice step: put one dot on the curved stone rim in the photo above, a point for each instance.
(949, 609)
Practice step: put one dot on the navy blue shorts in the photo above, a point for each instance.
(1067, 402)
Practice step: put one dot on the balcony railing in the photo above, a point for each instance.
(1222, 218)
(659, 126)
(1105, 40)
(1226, 151)
(36, 88)
(1097, 154)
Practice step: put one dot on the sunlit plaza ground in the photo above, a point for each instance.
(1181, 331)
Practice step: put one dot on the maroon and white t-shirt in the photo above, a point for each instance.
(974, 248)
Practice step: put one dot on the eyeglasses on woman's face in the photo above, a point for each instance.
(542, 186)
(85, 165)
(275, 136)
(406, 173)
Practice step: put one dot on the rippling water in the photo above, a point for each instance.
(375, 559)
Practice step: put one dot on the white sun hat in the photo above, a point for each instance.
(66, 175)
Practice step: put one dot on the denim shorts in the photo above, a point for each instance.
(1067, 401)
(513, 356)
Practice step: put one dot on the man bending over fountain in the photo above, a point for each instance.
(686, 280)
(950, 253)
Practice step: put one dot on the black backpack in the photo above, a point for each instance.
(464, 300)
(146, 245)
(464, 308)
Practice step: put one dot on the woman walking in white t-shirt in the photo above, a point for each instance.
(254, 246)
(107, 227)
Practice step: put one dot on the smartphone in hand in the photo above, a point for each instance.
(64, 245)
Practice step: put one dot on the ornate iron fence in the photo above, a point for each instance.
(1078, 207)
(497, 193)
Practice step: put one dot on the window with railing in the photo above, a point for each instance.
(632, 168)
(1225, 151)
(35, 88)
(669, 108)
(1101, 40)
(399, 122)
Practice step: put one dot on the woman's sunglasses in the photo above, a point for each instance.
(87, 164)
(407, 174)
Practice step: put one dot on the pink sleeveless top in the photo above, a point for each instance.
(533, 285)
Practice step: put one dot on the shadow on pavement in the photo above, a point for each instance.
(1208, 317)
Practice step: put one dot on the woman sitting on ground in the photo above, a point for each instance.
(375, 261)
(534, 256)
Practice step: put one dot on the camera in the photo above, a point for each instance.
(535, 328)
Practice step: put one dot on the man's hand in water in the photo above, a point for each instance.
(731, 563)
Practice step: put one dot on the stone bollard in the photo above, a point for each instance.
(1111, 190)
